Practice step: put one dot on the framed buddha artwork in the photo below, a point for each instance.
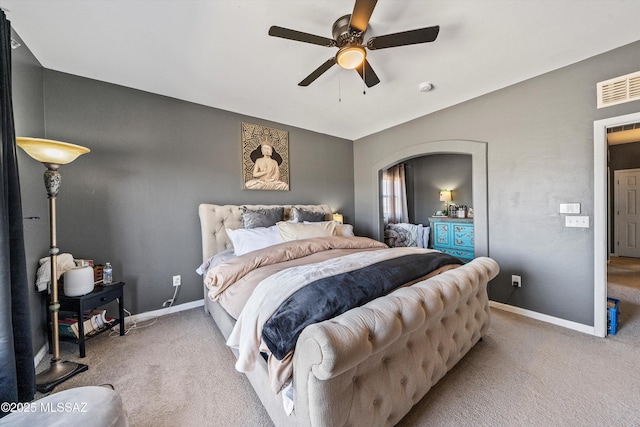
(265, 158)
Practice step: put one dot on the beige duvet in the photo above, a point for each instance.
(232, 283)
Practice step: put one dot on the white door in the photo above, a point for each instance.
(627, 218)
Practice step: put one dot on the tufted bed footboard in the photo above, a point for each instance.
(370, 365)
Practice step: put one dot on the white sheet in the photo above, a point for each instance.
(246, 335)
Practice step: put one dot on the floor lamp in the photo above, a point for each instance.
(53, 154)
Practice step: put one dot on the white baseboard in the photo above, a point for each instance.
(544, 317)
(198, 303)
(164, 311)
(44, 350)
(135, 318)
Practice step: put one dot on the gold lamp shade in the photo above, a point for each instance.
(445, 195)
(350, 57)
(52, 152)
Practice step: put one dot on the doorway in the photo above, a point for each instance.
(601, 215)
(623, 269)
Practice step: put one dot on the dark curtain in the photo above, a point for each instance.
(17, 373)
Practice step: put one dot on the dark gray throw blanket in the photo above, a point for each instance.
(330, 296)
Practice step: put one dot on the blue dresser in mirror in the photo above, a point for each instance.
(453, 236)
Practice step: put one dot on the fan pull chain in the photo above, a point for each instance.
(339, 86)
(364, 79)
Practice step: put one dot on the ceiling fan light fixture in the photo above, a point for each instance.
(350, 57)
(348, 36)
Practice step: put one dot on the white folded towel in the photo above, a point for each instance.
(43, 276)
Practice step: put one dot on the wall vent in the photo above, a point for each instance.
(619, 90)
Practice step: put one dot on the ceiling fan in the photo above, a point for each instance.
(348, 34)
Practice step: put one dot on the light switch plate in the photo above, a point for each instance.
(570, 208)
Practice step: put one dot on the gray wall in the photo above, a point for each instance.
(28, 108)
(624, 156)
(427, 175)
(134, 199)
(539, 135)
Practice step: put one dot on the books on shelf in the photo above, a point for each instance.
(65, 328)
(94, 321)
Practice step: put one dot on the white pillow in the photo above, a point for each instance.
(251, 239)
(298, 230)
(341, 229)
(344, 230)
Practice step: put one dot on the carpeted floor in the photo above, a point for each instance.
(623, 283)
(175, 371)
(524, 373)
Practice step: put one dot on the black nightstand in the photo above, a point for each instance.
(100, 296)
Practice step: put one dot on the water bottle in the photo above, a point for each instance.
(107, 274)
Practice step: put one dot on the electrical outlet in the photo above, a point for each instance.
(516, 281)
(576, 221)
(176, 280)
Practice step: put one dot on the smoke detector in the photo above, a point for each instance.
(425, 87)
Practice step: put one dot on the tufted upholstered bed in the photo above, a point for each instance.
(371, 364)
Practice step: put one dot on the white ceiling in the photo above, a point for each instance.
(217, 52)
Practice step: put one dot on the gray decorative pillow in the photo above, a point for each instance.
(302, 215)
(214, 261)
(261, 217)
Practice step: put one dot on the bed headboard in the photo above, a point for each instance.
(214, 219)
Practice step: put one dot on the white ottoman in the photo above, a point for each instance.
(91, 406)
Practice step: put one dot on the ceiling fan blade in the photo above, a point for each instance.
(299, 36)
(318, 72)
(362, 11)
(421, 35)
(370, 78)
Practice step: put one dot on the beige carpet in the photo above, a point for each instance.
(175, 372)
(623, 283)
(178, 372)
